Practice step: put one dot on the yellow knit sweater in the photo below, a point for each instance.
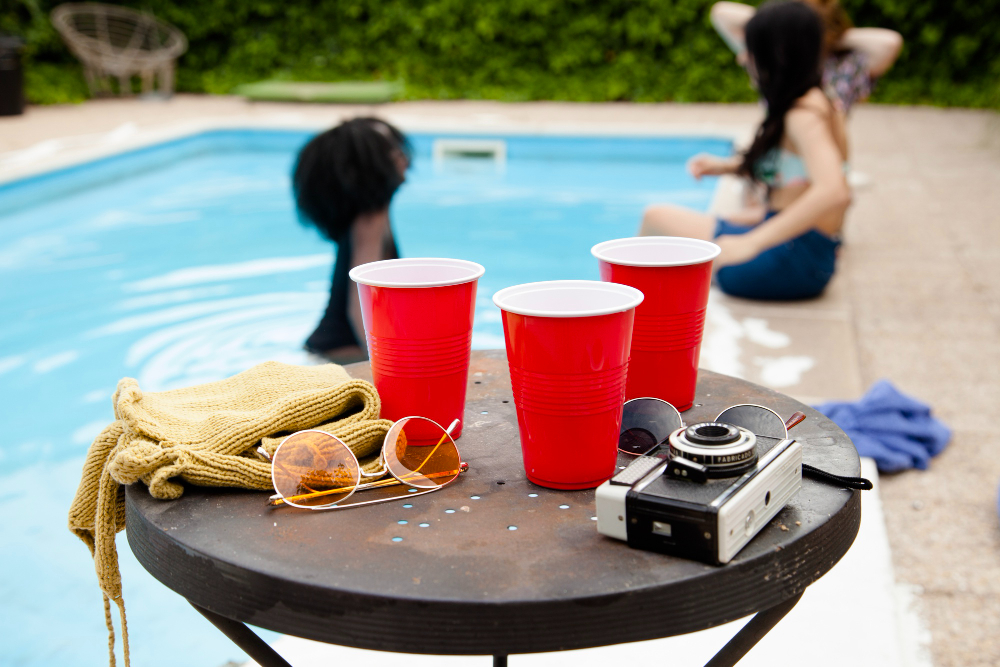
(207, 435)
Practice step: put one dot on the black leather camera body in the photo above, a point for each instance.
(702, 493)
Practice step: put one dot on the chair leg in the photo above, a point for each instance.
(167, 79)
(92, 83)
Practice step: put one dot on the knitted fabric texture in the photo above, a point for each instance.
(207, 435)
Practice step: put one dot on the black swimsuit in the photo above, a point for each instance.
(335, 330)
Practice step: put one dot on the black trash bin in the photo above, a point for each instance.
(11, 76)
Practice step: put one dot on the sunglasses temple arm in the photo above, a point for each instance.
(452, 427)
(443, 438)
(796, 418)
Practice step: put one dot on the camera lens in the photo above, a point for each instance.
(712, 433)
(723, 449)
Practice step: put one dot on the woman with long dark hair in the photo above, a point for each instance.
(799, 153)
(343, 182)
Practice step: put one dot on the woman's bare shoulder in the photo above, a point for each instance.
(813, 119)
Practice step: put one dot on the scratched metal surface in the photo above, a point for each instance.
(468, 584)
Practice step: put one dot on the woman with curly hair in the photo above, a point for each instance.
(343, 182)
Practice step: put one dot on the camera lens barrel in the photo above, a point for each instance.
(725, 450)
(712, 433)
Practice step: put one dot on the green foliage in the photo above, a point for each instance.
(951, 54)
(581, 50)
(54, 84)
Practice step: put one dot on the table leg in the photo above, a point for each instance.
(751, 633)
(242, 636)
(500, 660)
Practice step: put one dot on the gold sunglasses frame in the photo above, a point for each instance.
(277, 499)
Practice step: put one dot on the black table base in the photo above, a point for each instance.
(731, 653)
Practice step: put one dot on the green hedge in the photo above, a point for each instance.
(583, 50)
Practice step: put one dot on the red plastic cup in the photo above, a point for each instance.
(567, 347)
(418, 321)
(674, 274)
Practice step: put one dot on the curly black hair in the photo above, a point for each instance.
(350, 170)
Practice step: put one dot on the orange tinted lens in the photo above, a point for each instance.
(424, 463)
(314, 469)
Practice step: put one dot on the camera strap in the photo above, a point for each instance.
(836, 480)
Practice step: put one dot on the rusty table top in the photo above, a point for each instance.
(483, 587)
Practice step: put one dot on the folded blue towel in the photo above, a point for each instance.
(896, 430)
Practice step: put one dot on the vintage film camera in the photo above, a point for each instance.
(701, 491)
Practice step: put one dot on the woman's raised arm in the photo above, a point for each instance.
(729, 19)
(880, 46)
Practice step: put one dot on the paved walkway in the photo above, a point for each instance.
(916, 300)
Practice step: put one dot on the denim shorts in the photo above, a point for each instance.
(796, 269)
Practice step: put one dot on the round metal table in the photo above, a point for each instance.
(514, 568)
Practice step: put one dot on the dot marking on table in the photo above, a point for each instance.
(474, 497)
(485, 412)
(532, 495)
(411, 490)
(501, 482)
(407, 506)
(402, 522)
(449, 511)
(425, 525)
(511, 527)
(397, 539)
(505, 401)
(564, 507)
(593, 518)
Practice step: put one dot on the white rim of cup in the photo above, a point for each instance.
(631, 297)
(711, 250)
(476, 271)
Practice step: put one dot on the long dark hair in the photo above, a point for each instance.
(784, 41)
(348, 171)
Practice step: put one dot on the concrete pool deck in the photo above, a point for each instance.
(916, 300)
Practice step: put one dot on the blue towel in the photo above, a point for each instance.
(896, 430)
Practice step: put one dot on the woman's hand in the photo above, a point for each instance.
(704, 164)
(736, 249)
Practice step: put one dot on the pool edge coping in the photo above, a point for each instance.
(102, 145)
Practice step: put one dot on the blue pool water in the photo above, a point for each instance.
(184, 263)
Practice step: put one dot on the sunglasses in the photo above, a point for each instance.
(647, 422)
(314, 470)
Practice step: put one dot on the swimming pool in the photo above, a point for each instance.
(183, 263)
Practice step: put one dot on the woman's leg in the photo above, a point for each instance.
(667, 220)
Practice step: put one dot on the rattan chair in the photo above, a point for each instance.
(119, 42)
